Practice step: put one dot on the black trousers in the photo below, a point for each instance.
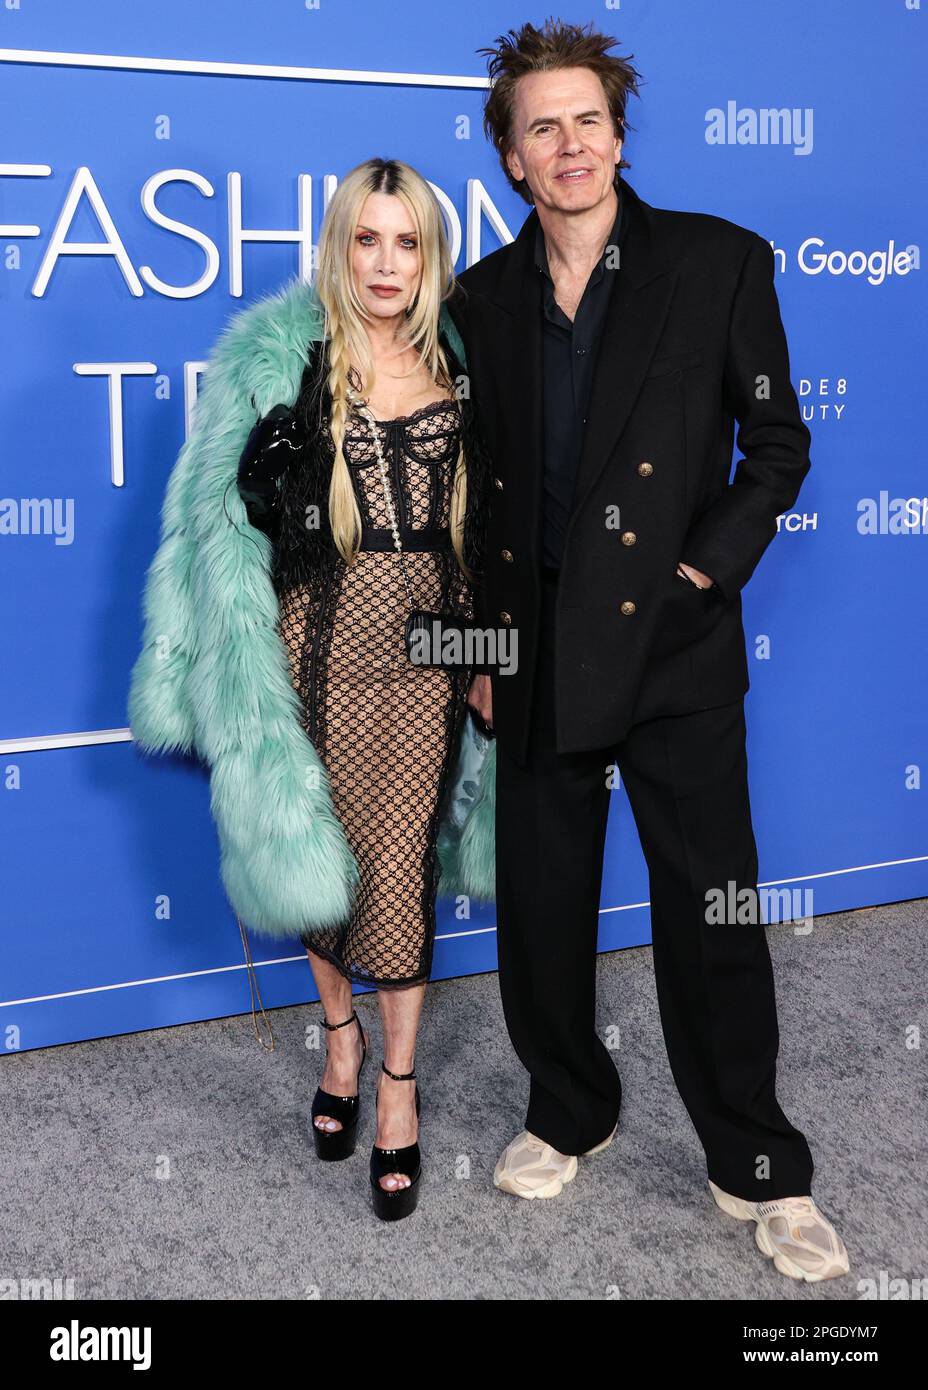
(686, 779)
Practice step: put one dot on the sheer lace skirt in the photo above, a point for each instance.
(385, 730)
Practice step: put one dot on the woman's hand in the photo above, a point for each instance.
(480, 698)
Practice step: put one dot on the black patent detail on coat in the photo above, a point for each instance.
(304, 555)
(270, 449)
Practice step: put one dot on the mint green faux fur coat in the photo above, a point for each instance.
(213, 680)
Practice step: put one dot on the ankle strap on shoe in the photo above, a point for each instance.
(332, 1026)
(409, 1076)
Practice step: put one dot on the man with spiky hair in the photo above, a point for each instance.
(612, 346)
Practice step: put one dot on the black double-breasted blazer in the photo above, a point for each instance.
(692, 346)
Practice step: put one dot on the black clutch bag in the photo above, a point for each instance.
(426, 635)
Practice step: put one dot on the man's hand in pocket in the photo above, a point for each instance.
(702, 581)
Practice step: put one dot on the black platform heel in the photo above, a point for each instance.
(401, 1201)
(338, 1143)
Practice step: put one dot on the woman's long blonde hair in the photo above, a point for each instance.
(348, 342)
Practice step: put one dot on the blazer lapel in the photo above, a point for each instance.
(635, 318)
(518, 368)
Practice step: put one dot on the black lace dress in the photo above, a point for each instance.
(385, 729)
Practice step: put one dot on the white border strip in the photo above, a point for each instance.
(42, 743)
(93, 737)
(194, 974)
(199, 67)
(440, 936)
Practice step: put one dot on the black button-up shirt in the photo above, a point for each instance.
(568, 355)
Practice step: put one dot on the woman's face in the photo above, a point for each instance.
(386, 259)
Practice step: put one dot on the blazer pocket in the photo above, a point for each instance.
(673, 362)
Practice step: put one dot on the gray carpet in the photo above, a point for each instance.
(247, 1211)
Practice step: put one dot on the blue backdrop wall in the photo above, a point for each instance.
(164, 166)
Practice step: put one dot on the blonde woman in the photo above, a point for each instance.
(380, 445)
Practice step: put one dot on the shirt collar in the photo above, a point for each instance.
(615, 239)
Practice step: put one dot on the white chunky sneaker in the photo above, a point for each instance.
(792, 1232)
(528, 1167)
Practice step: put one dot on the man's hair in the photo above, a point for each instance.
(556, 45)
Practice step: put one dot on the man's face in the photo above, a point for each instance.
(563, 139)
